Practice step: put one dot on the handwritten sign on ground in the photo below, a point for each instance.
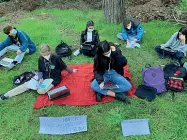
(135, 127)
(63, 125)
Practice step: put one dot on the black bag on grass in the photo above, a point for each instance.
(63, 50)
(146, 92)
(24, 77)
(174, 70)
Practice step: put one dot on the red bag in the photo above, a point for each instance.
(175, 84)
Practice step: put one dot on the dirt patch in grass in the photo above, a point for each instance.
(12, 18)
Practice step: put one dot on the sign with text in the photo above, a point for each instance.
(135, 127)
(63, 125)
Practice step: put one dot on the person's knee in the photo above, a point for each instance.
(157, 48)
(179, 54)
(94, 85)
(126, 87)
(41, 91)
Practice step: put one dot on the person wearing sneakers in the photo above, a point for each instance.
(18, 41)
(108, 67)
(49, 67)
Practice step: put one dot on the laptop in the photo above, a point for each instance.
(7, 62)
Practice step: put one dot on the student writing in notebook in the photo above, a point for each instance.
(49, 67)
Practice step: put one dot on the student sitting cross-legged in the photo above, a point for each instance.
(18, 41)
(132, 33)
(108, 67)
(176, 46)
(49, 67)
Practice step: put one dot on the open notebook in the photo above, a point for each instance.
(33, 83)
(7, 62)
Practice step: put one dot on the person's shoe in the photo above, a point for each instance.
(14, 62)
(2, 97)
(98, 97)
(122, 97)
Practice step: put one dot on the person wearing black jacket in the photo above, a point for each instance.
(108, 67)
(89, 40)
(49, 67)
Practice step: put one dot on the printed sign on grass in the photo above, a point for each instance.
(135, 127)
(63, 125)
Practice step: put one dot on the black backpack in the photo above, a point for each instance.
(174, 70)
(24, 77)
(63, 50)
(174, 75)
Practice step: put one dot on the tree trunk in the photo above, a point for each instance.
(114, 10)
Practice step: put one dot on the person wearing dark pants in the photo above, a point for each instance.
(89, 40)
(176, 47)
(108, 66)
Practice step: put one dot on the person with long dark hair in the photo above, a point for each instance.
(176, 47)
(89, 40)
(108, 67)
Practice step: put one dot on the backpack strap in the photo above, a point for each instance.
(147, 65)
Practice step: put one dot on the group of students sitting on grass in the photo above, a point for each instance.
(108, 58)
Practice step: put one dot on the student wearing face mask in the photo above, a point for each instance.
(108, 67)
(50, 66)
(18, 41)
(89, 40)
(176, 46)
(132, 31)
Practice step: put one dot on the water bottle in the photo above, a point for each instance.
(77, 52)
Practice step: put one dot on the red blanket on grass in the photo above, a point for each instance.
(81, 93)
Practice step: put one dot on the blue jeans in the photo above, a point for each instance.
(112, 76)
(129, 37)
(13, 47)
(177, 56)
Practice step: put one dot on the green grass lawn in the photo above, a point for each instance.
(18, 121)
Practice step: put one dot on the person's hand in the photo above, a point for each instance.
(127, 41)
(75, 70)
(183, 40)
(19, 52)
(40, 81)
(113, 48)
(135, 39)
(101, 85)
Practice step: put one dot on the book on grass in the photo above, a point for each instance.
(7, 62)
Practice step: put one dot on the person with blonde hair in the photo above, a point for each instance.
(49, 67)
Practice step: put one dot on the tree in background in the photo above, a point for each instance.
(114, 10)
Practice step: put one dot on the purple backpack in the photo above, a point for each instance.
(154, 77)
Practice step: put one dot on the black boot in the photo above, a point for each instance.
(2, 97)
(98, 97)
(122, 97)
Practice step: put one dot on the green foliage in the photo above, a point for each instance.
(183, 5)
(20, 121)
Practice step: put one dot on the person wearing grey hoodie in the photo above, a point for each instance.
(176, 46)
